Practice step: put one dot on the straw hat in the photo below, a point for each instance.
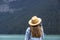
(34, 21)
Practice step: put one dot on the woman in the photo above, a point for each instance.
(35, 31)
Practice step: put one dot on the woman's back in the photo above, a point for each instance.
(28, 35)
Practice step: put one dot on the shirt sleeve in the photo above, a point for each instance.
(27, 34)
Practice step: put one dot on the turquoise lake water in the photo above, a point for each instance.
(21, 37)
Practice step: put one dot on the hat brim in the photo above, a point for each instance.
(31, 24)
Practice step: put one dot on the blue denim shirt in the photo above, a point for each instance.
(29, 37)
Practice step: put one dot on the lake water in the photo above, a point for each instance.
(21, 37)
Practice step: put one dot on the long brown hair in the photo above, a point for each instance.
(36, 31)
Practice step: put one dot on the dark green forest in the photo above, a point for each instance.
(15, 14)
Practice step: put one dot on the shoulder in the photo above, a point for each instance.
(42, 28)
(28, 29)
